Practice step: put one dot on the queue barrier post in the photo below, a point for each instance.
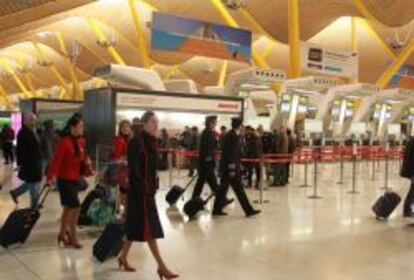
(386, 186)
(170, 167)
(305, 184)
(178, 161)
(315, 178)
(373, 156)
(341, 174)
(261, 199)
(354, 190)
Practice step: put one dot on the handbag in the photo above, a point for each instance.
(82, 185)
(122, 176)
(85, 169)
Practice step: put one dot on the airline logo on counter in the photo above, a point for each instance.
(195, 104)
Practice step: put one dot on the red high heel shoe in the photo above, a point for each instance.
(75, 244)
(123, 264)
(166, 274)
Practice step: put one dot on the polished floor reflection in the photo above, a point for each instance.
(333, 238)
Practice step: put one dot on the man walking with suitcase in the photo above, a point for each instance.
(407, 171)
(29, 160)
(207, 159)
(231, 172)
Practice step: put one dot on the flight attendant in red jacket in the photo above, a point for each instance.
(68, 164)
(120, 151)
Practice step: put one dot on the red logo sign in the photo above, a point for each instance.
(228, 106)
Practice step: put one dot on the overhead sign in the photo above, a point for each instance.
(321, 60)
(177, 34)
(46, 106)
(313, 126)
(177, 103)
(394, 129)
(358, 128)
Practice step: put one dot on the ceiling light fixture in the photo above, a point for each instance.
(235, 4)
(44, 34)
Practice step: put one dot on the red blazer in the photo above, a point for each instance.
(120, 147)
(65, 164)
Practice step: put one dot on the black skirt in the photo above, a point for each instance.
(142, 221)
(68, 191)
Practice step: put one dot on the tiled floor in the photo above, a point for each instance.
(333, 238)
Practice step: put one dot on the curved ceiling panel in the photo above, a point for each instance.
(273, 15)
(391, 12)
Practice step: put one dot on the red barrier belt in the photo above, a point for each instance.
(310, 154)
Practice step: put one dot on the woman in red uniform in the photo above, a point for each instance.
(142, 221)
(69, 161)
(120, 150)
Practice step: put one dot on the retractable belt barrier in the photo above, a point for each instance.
(310, 154)
(306, 156)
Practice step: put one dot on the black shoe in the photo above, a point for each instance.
(14, 197)
(408, 215)
(228, 202)
(219, 213)
(253, 213)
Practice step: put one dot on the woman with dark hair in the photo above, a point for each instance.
(142, 221)
(120, 150)
(68, 164)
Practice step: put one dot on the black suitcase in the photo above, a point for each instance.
(195, 205)
(176, 192)
(110, 243)
(97, 193)
(386, 204)
(20, 223)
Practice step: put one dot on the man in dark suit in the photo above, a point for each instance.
(207, 159)
(407, 171)
(231, 172)
(29, 160)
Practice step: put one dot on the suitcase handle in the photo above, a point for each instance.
(189, 183)
(43, 195)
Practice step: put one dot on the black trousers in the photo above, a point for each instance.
(192, 164)
(280, 174)
(409, 199)
(8, 152)
(254, 166)
(236, 184)
(205, 175)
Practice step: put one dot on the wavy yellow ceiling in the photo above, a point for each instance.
(321, 21)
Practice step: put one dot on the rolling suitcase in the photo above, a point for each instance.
(195, 205)
(110, 243)
(386, 204)
(176, 192)
(20, 223)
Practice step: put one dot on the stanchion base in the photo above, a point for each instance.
(353, 192)
(340, 182)
(315, 196)
(305, 186)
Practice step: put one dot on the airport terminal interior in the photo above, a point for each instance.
(206, 139)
